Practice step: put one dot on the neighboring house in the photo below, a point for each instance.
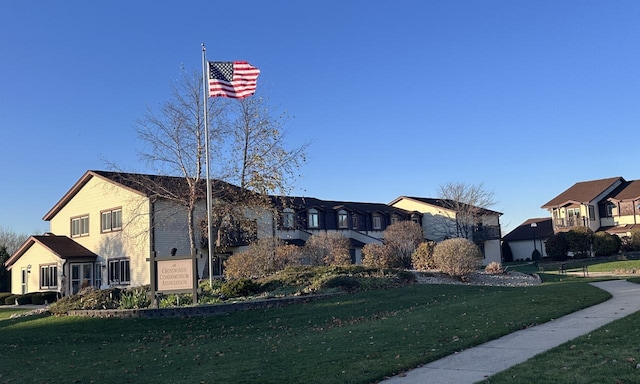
(105, 230)
(528, 237)
(611, 205)
(440, 222)
(361, 223)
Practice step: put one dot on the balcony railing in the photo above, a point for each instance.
(568, 222)
(487, 232)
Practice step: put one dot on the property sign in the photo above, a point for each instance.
(175, 275)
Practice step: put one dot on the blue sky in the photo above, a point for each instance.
(526, 97)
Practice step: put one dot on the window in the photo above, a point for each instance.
(48, 276)
(354, 221)
(111, 220)
(80, 226)
(394, 219)
(287, 218)
(343, 219)
(97, 277)
(313, 219)
(592, 213)
(377, 221)
(609, 207)
(119, 271)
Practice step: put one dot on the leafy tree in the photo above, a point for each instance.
(557, 246)
(605, 244)
(327, 248)
(403, 237)
(457, 257)
(5, 275)
(579, 240)
(467, 204)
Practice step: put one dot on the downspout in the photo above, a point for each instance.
(152, 251)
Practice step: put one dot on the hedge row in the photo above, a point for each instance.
(38, 298)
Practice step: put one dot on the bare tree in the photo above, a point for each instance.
(249, 159)
(11, 240)
(174, 140)
(464, 205)
(403, 238)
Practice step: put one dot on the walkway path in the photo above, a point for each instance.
(477, 363)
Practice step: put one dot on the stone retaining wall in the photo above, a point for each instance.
(200, 310)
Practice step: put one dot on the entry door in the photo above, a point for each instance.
(81, 276)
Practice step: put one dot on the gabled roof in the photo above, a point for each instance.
(629, 190)
(142, 184)
(582, 192)
(299, 203)
(443, 203)
(524, 231)
(61, 246)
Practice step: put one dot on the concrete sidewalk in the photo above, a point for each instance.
(478, 363)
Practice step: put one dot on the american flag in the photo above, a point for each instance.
(236, 79)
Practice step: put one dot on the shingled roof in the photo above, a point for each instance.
(629, 190)
(524, 231)
(143, 184)
(61, 246)
(582, 192)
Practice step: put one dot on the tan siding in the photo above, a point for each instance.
(132, 241)
(36, 255)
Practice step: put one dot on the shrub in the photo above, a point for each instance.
(631, 243)
(239, 287)
(37, 298)
(262, 258)
(494, 268)
(457, 257)
(3, 296)
(343, 282)
(327, 248)
(605, 244)
(50, 297)
(175, 300)
(557, 247)
(24, 299)
(10, 300)
(507, 253)
(403, 237)
(134, 299)
(579, 240)
(422, 258)
(535, 255)
(379, 256)
(87, 298)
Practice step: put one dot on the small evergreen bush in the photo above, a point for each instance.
(24, 299)
(10, 300)
(3, 296)
(37, 298)
(605, 244)
(239, 287)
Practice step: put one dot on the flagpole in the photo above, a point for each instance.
(206, 149)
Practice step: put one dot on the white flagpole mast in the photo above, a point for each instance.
(205, 92)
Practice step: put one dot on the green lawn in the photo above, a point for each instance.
(7, 311)
(359, 338)
(610, 354)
